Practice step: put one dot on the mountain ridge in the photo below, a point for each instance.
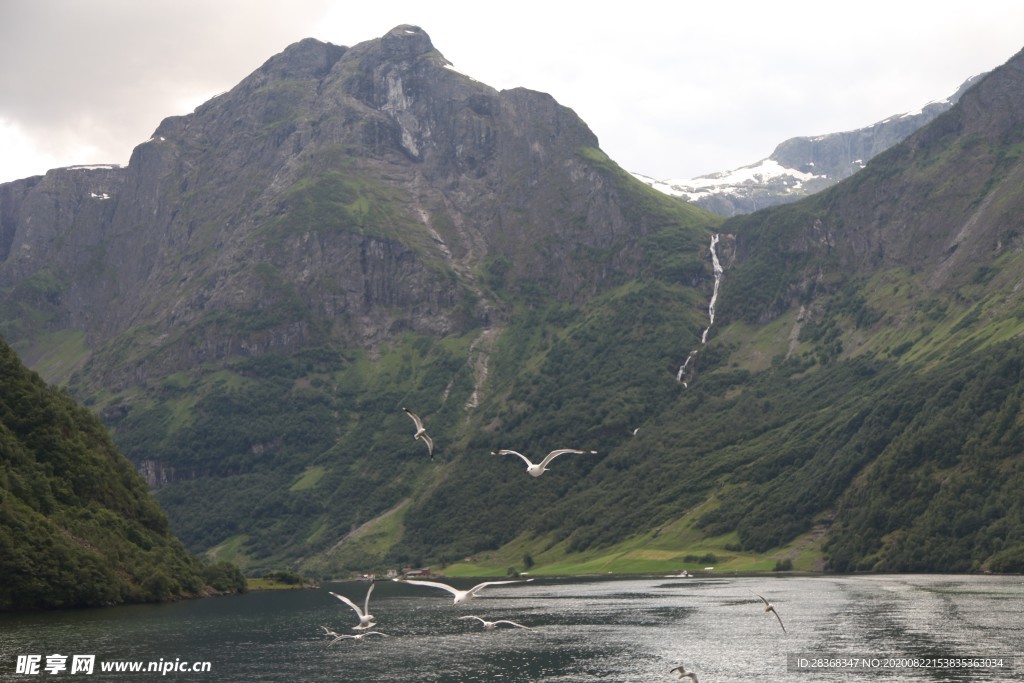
(354, 230)
(801, 166)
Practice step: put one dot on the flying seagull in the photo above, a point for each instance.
(421, 432)
(769, 607)
(339, 636)
(460, 596)
(542, 466)
(366, 620)
(333, 634)
(683, 673)
(491, 625)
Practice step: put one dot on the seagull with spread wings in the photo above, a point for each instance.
(542, 467)
(338, 636)
(421, 432)
(492, 625)
(683, 673)
(460, 596)
(769, 607)
(366, 620)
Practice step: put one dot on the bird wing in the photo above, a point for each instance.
(366, 605)
(473, 616)
(415, 418)
(766, 603)
(349, 603)
(430, 443)
(780, 620)
(769, 607)
(508, 452)
(480, 586)
(561, 451)
(434, 584)
(506, 621)
(374, 633)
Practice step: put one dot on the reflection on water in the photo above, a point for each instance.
(611, 629)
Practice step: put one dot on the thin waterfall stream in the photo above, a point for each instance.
(717, 267)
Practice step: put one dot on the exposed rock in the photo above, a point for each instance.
(363, 188)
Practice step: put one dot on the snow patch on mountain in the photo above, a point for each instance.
(801, 166)
(764, 172)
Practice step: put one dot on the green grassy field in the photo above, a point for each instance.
(674, 547)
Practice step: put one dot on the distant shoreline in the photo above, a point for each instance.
(253, 585)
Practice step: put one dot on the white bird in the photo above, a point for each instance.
(334, 634)
(542, 467)
(769, 607)
(339, 636)
(682, 673)
(366, 620)
(460, 596)
(421, 432)
(491, 625)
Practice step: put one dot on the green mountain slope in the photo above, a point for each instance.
(401, 235)
(354, 230)
(77, 525)
(860, 388)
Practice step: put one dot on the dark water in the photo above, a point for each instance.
(607, 629)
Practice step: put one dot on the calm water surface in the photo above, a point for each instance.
(606, 629)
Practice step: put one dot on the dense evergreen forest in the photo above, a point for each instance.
(77, 525)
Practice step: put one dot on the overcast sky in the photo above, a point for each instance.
(671, 89)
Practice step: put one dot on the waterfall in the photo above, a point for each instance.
(682, 368)
(717, 267)
(716, 264)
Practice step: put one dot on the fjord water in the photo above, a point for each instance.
(583, 629)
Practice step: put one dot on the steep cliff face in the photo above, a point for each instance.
(336, 192)
(55, 231)
(250, 301)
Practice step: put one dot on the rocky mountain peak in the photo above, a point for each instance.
(352, 193)
(406, 42)
(308, 58)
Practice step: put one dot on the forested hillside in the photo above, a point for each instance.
(77, 525)
(351, 231)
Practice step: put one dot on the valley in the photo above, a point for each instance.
(353, 230)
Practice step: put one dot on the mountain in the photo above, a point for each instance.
(77, 525)
(251, 302)
(800, 166)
